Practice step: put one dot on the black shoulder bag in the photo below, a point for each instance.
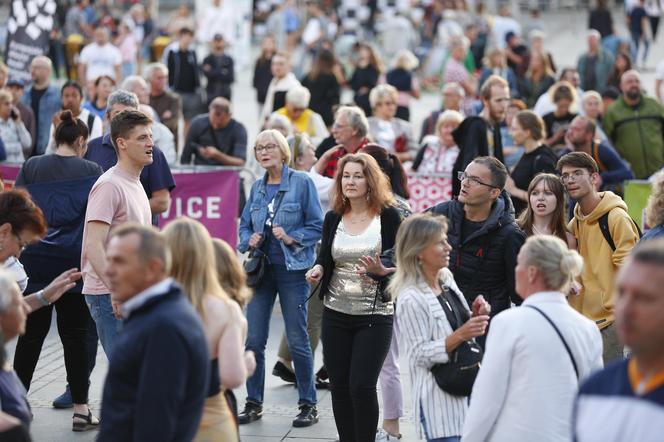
(255, 264)
(457, 375)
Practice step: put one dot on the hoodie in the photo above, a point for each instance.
(600, 263)
(484, 262)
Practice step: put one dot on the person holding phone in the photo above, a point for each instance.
(282, 221)
(15, 136)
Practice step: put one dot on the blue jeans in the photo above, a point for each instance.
(108, 326)
(438, 439)
(293, 290)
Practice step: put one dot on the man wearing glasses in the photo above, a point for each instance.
(484, 237)
(605, 235)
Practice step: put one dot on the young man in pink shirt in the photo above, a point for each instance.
(116, 198)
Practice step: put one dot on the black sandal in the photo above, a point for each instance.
(84, 426)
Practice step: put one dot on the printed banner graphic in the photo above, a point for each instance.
(211, 198)
(29, 25)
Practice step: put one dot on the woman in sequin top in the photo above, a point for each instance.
(358, 314)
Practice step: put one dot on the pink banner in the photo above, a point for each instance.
(211, 198)
(427, 191)
(8, 173)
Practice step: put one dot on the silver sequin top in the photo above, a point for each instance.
(350, 292)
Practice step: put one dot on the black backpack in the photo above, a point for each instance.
(604, 227)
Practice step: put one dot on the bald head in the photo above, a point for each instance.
(630, 84)
(40, 71)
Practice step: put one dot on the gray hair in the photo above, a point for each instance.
(42, 59)
(131, 82)
(281, 123)
(356, 119)
(7, 286)
(456, 87)
(149, 70)
(558, 264)
(298, 96)
(122, 97)
(380, 92)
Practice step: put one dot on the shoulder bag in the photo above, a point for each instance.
(255, 264)
(457, 375)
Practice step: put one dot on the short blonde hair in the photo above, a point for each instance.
(381, 92)
(591, 94)
(405, 60)
(5, 96)
(280, 141)
(655, 206)
(449, 116)
(558, 264)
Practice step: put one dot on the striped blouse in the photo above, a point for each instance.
(423, 328)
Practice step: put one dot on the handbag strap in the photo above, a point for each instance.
(277, 202)
(560, 335)
(453, 316)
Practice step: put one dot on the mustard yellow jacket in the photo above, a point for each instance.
(600, 263)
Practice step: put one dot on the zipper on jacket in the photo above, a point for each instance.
(643, 148)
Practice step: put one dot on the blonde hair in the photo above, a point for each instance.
(415, 234)
(449, 116)
(193, 263)
(5, 96)
(230, 273)
(558, 264)
(405, 60)
(280, 141)
(655, 206)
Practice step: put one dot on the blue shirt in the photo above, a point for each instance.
(274, 252)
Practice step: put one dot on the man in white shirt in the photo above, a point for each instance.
(71, 95)
(100, 58)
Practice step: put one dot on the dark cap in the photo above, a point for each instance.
(509, 36)
(15, 82)
(218, 37)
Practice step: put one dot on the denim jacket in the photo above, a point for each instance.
(49, 104)
(299, 213)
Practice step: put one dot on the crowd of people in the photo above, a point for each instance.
(507, 296)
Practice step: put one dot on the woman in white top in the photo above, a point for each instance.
(526, 387)
(15, 136)
(388, 131)
(422, 255)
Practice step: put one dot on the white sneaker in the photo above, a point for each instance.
(382, 436)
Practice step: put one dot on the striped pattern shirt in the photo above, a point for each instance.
(423, 328)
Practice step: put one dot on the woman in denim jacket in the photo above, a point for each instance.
(284, 220)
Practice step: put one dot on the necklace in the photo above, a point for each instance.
(537, 231)
(357, 221)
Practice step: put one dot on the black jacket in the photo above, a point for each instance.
(158, 380)
(471, 137)
(390, 220)
(484, 263)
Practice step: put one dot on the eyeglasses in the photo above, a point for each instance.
(267, 148)
(474, 180)
(340, 126)
(574, 176)
(21, 244)
(388, 103)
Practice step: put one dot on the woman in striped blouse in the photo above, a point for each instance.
(422, 256)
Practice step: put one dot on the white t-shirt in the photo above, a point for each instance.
(100, 60)
(95, 131)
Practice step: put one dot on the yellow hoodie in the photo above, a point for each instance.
(600, 263)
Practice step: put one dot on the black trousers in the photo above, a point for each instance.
(354, 348)
(73, 317)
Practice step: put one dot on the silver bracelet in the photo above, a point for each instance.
(42, 300)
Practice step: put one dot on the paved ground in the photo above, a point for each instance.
(566, 40)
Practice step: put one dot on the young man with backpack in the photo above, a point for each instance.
(605, 234)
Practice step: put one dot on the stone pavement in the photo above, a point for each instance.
(566, 39)
(50, 425)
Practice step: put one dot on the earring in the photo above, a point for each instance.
(344, 199)
(368, 196)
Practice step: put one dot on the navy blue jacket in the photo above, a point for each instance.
(64, 204)
(158, 377)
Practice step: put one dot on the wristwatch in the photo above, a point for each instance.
(40, 296)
